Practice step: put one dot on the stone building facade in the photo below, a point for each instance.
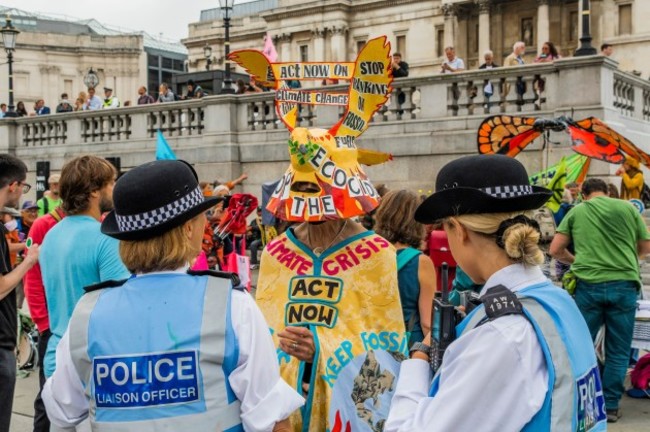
(421, 29)
(54, 54)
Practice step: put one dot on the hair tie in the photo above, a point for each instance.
(520, 219)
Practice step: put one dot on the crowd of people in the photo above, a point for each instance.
(145, 325)
(118, 241)
(87, 100)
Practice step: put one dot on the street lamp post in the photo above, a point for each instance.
(585, 47)
(9, 36)
(226, 10)
(207, 53)
(91, 80)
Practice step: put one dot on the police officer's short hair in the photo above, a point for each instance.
(145, 256)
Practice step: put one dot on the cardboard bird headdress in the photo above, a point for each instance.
(325, 180)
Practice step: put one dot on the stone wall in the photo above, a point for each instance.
(48, 64)
(296, 23)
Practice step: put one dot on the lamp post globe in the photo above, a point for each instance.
(9, 36)
(226, 11)
(91, 80)
(207, 54)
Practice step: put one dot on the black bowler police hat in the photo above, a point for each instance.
(153, 198)
(481, 184)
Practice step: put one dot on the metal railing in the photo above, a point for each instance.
(523, 89)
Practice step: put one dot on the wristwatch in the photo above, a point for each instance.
(421, 347)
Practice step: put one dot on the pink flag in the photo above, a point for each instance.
(269, 49)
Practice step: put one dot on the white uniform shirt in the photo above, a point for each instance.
(265, 397)
(493, 378)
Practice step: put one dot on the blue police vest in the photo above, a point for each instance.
(574, 401)
(155, 354)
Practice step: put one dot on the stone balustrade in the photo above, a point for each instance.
(426, 121)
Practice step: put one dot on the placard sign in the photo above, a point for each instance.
(42, 174)
(369, 78)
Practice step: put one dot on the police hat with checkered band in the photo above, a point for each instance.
(153, 198)
(481, 184)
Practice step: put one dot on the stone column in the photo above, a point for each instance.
(338, 43)
(543, 25)
(318, 34)
(483, 27)
(451, 21)
(285, 47)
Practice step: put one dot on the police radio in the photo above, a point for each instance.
(443, 322)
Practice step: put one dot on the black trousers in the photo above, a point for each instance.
(41, 422)
(7, 386)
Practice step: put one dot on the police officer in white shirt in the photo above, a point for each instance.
(523, 359)
(167, 349)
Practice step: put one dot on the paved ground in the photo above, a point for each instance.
(636, 412)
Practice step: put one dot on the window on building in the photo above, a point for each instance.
(167, 77)
(152, 60)
(67, 87)
(625, 19)
(304, 53)
(573, 26)
(167, 63)
(360, 45)
(153, 82)
(440, 41)
(179, 65)
(400, 43)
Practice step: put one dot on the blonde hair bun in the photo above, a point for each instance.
(521, 244)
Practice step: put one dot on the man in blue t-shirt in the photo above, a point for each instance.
(75, 254)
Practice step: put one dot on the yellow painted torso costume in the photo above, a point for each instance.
(348, 297)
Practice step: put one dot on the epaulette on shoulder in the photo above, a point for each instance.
(500, 301)
(236, 283)
(105, 284)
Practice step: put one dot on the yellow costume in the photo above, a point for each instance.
(349, 299)
(347, 296)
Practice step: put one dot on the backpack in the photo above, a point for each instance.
(46, 205)
(640, 378)
(645, 195)
(544, 217)
(57, 214)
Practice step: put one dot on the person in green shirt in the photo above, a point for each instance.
(609, 235)
(52, 198)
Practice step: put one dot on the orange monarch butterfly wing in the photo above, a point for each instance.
(594, 146)
(507, 135)
(605, 133)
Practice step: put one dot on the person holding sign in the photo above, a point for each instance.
(327, 287)
(167, 349)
